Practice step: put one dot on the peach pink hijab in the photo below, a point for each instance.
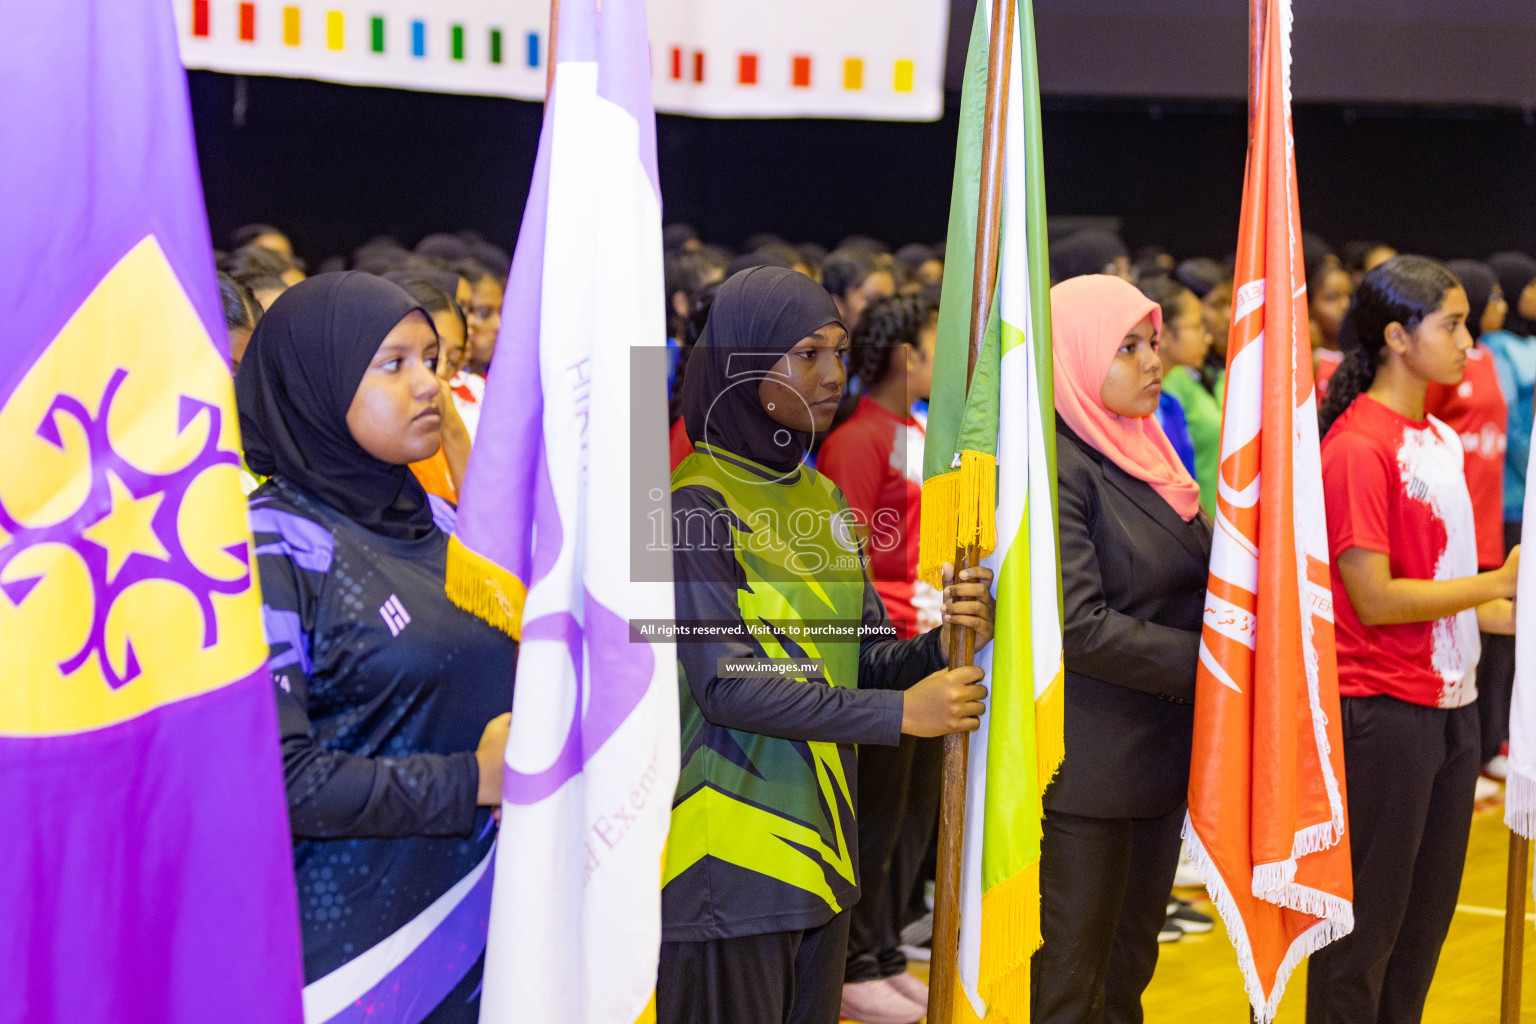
(1090, 317)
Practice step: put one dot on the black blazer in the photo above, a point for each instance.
(1133, 578)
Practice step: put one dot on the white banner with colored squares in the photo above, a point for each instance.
(716, 58)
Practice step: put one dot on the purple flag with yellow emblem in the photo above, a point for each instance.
(145, 864)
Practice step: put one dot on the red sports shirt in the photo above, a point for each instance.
(876, 460)
(1476, 410)
(1328, 362)
(1395, 486)
(679, 447)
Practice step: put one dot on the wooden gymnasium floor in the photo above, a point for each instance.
(1197, 977)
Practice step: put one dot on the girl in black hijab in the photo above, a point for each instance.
(761, 861)
(295, 396)
(1090, 251)
(1517, 280)
(391, 700)
(756, 319)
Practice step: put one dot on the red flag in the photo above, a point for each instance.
(1267, 819)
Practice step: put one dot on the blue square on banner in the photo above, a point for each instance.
(418, 39)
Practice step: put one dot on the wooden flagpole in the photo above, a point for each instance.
(944, 986)
(554, 48)
(1514, 926)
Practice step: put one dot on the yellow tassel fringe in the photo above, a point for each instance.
(936, 536)
(976, 508)
(959, 509)
(1010, 933)
(1050, 722)
(483, 588)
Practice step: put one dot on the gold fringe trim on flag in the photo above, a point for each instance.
(976, 505)
(959, 509)
(1010, 933)
(1050, 724)
(936, 527)
(483, 588)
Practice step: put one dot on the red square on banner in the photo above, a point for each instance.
(248, 23)
(698, 65)
(677, 64)
(800, 74)
(200, 17)
(747, 73)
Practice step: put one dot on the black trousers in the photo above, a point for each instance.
(1496, 677)
(1410, 772)
(1495, 692)
(777, 978)
(899, 789)
(1104, 885)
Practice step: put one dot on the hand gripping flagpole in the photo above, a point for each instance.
(943, 984)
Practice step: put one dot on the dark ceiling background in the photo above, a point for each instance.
(1359, 51)
(1413, 123)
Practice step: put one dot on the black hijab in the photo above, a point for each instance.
(1515, 271)
(1477, 281)
(1087, 251)
(296, 382)
(758, 315)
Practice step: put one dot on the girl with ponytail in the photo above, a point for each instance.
(876, 459)
(1408, 604)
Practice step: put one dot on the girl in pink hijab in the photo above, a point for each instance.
(1134, 555)
(1107, 389)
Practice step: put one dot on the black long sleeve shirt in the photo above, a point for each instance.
(383, 690)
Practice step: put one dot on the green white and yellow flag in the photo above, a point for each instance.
(990, 475)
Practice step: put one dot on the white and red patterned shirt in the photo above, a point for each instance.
(468, 391)
(1396, 486)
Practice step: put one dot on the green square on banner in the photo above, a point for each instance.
(495, 46)
(458, 42)
(378, 35)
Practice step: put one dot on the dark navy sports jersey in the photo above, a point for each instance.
(383, 690)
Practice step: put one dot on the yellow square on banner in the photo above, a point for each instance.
(903, 81)
(853, 73)
(334, 30)
(190, 621)
(290, 26)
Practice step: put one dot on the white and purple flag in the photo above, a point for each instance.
(543, 550)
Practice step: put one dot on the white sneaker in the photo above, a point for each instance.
(1497, 768)
(1486, 789)
(1186, 875)
(1188, 919)
(917, 939)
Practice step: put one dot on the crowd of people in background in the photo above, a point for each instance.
(375, 368)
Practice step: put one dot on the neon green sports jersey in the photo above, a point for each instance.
(763, 836)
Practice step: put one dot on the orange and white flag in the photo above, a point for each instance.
(1267, 825)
